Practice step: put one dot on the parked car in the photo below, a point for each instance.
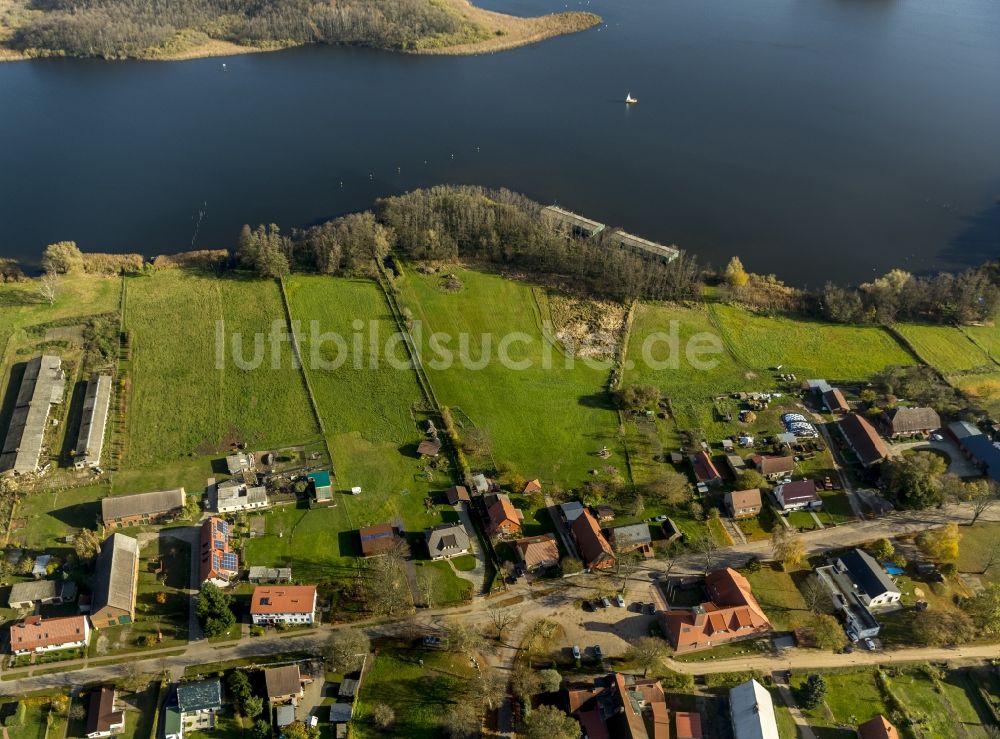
(869, 645)
(937, 437)
(576, 652)
(598, 652)
(619, 601)
(605, 603)
(660, 519)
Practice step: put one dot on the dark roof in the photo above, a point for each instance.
(200, 695)
(770, 465)
(340, 713)
(798, 490)
(912, 420)
(282, 681)
(834, 400)
(447, 538)
(429, 447)
(124, 506)
(101, 714)
(457, 493)
(867, 573)
(863, 438)
(985, 454)
(348, 687)
(634, 535)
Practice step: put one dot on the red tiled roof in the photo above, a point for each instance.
(877, 728)
(863, 438)
(457, 494)
(269, 599)
(376, 539)
(537, 550)
(732, 613)
(770, 465)
(704, 468)
(745, 498)
(687, 725)
(215, 545)
(533, 486)
(594, 548)
(504, 517)
(835, 401)
(35, 632)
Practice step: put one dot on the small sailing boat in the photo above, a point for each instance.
(629, 100)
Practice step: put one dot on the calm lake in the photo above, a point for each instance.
(818, 139)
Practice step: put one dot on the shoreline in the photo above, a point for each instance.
(508, 32)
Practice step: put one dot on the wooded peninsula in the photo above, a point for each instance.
(184, 29)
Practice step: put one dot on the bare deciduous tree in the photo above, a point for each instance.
(502, 619)
(48, 286)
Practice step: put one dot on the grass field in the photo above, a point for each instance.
(778, 595)
(987, 338)
(368, 411)
(939, 707)
(181, 401)
(807, 348)
(419, 695)
(545, 423)
(946, 348)
(974, 548)
(42, 519)
(446, 586)
(852, 698)
(41, 719)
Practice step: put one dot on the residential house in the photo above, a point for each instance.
(219, 562)
(595, 550)
(687, 725)
(457, 494)
(834, 401)
(744, 503)
(197, 705)
(234, 495)
(605, 513)
(90, 440)
(860, 588)
(772, 467)
(447, 540)
(619, 706)
(284, 716)
(504, 519)
(241, 462)
(115, 582)
(102, 718)
(123, 511)
(288, 604)
(24, 595)
(634, 537)
(863, 439)
(480, 484)
(752, 712)
(537, 552)
(705, 470)
(43, 385)
(531, 487)
(571, 510)
(800, 495)
(283, 684)
(977, 447)
(377, 540)
(730, 614)
(260, 574)
(322, 489)
(878, 727)
(36, 634)
(909, 421)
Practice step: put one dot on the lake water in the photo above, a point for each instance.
(818, 139)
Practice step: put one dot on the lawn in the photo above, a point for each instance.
(41, 718)
(778, 595)
(447, 588)
(371, 410)
(986, 337)
(42, 519)
(464, 562)
(945, 348)
(191, 393)
(974, 549)
(543, 418)
(852, 698)
(419, 695)
(807, 348)
(941, 705)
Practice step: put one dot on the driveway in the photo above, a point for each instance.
(958, 465)
(477, 575)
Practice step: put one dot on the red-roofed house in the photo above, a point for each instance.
(290, 604)
(732, 613)
(219, 563)
(773, 467)
(877, 728)
(505, 519)
(538, 552)
(704, 469)
(37, 634)
(620, 706)
(687, 725)
(533, 486)
(863, 439)
(594, 548)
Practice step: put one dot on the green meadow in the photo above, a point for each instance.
(544, 418)
(807, 348)
(182, 402)
(946, 348)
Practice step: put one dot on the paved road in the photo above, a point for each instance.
(534, 602)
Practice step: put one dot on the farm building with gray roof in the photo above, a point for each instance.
(90, 442)
(115, 582)
(42, 386)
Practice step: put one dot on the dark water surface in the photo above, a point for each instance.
(819, 139)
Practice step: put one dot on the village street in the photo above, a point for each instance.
(612, 628)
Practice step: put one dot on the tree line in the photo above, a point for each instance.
(446, 224)
(138, 28)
